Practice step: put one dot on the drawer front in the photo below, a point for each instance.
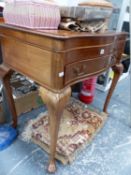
(85, 53)
(81, 69)
(90, 41)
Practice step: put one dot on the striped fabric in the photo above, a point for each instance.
(32, 14)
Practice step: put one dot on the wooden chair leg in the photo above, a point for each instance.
(5, 75)
(118, 70)
(55, 103)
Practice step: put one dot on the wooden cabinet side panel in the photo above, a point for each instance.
(28, 60)
(119, 49)
(41, 65)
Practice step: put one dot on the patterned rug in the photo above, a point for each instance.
(78, 126)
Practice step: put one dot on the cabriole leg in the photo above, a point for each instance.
(55, 103)
(5, 75)
(118, 70)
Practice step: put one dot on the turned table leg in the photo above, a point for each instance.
(55, 103)
(118, 70)
(5, 75)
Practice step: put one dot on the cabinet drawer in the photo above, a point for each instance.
(81, 69)
(90, 41)
(85, 53)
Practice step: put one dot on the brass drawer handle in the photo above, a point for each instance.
(113, 60)
(81, 73)
(79, 70)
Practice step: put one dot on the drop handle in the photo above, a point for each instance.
(84, 67)
(113, 59)
(79, 70)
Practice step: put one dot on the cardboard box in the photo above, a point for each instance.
(28, 102)
(24, 104)
(25, 94)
